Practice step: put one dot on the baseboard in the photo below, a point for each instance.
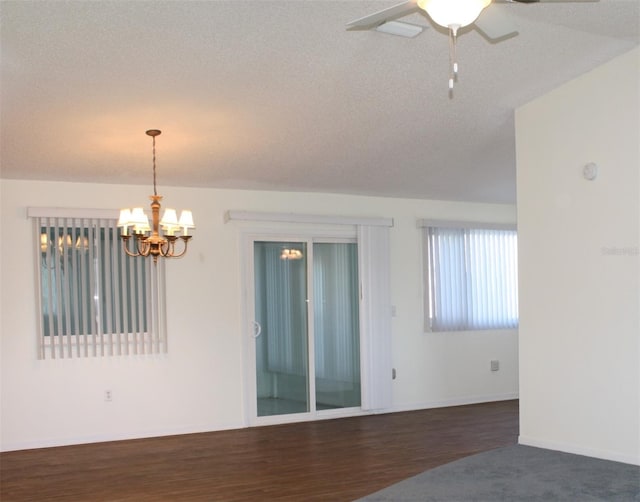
(579, 450)
(459, 401)
(103, 438)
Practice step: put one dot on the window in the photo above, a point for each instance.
(471, 277)
(94, 299)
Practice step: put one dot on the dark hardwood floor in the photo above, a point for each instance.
(332, 460)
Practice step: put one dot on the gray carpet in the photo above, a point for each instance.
(519, 473)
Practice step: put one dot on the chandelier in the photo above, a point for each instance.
(291, 254)
(147, 239)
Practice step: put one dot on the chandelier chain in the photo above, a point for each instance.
(155, 191)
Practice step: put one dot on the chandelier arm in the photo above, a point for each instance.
(143, 245)
(129, 253)
(166, 248)
(185, 239)
(125, 246)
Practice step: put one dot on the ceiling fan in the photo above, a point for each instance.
(451, 14)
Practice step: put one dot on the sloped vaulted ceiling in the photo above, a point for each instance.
(278, 95)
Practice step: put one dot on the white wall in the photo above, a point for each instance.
(579, 272)
(198, 385)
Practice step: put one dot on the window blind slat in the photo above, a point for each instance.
(75, 293)
(139, 345)
(154, 314)
(40, 303)
(115, 292)
(108, 287)
(60, 298)
(147, 300)
(126, 318)
(134, 313)
(94, 287)
(66, 261)
(43, 226)
(85, 287)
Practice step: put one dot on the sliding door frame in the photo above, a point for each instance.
(308, 236)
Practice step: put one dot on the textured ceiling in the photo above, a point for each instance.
(278, 95)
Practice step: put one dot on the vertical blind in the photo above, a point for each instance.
(374, 259)
(94, 299)
(472, 280)
(335, 300)
(281, 292)
(281, 299)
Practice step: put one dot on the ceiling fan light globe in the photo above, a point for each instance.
(453, 12)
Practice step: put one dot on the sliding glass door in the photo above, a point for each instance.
(306, 326)
(281, 319)
(336, 325)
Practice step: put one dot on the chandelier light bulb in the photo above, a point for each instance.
(186, 221)
(125, 220)
(82, 242)
(64, 242)
(44, 242)
(169, 222)
(291, 254)
(139, 220)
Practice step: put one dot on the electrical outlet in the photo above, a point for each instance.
(108, 396)
(495, 365)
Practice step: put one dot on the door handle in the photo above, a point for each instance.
(257, 329)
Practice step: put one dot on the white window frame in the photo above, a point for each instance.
(98, 341)
(466, 323)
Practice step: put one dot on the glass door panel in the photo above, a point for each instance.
(281, 316)
(336, 325)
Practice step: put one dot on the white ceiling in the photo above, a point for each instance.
(278, 95)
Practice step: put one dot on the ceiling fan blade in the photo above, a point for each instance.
(494, 24)
(377, 18)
